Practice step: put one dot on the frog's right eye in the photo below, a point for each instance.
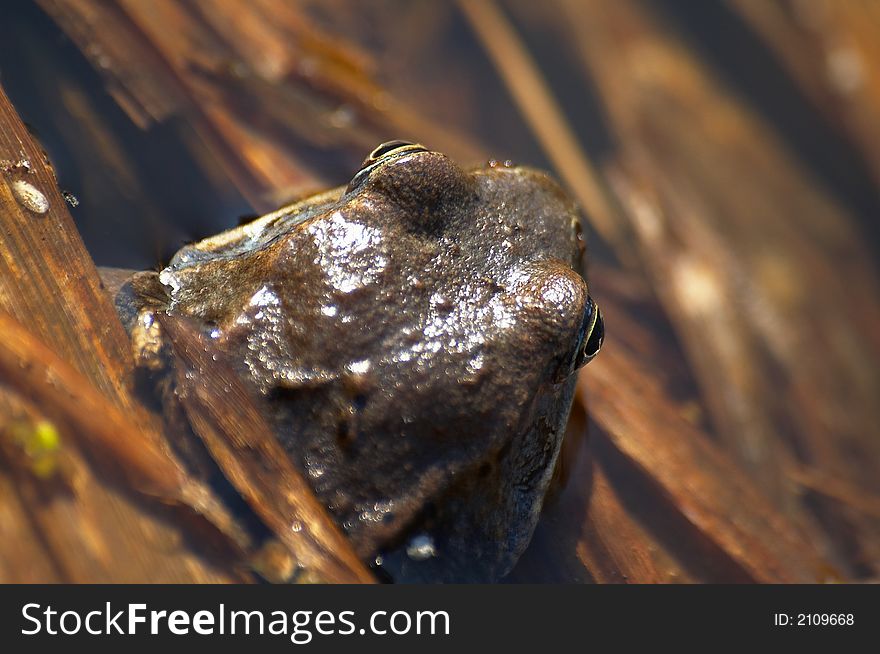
(593, 336)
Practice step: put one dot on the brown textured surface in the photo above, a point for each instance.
(743, 322)
(49, 283)
(355, 314)
(227, 419)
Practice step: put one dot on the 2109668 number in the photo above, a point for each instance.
(824, 619)
(813, 619)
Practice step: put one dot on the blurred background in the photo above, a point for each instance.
(726, 156)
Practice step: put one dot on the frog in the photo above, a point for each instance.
(416, 334)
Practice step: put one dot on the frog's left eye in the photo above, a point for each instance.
(594, 335)
(381, 154)
(390, 148)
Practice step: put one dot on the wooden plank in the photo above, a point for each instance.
(49, 283)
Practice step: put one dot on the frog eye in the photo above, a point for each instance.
(381, 154)
(390, 148)
(594, 335)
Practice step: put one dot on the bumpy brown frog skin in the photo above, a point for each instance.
(417, 334)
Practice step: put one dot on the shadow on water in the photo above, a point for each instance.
(144, 196)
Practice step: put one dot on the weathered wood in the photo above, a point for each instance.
(49, 283)
(615, 548)
(34, 372)
(696, 480)
(588, 534)
(115, 443)
(47, 280)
